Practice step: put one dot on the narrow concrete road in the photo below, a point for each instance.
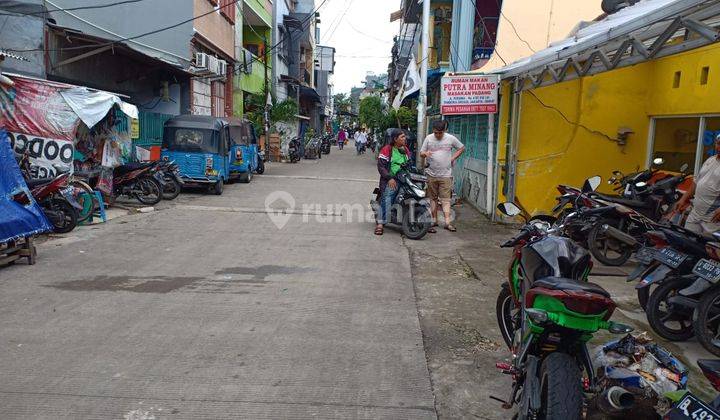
(206, 309)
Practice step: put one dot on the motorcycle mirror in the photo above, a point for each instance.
(684, 168)
(509, 209)
(591, 184)
(617, 328)
(658, 161)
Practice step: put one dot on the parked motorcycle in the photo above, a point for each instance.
(690, 407)
(556, 313)
(54, 195)
(313, 148)
(141, 181)
(410, 211)
(326, 143)
(640, 209)
(706, 318)
(261, 163)
(372, 144)
(173, 181)
(294, 150)
(672, 304)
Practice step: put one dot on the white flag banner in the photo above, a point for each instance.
(411, 83)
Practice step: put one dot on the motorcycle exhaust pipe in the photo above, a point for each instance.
(615, 400)
(619, 235)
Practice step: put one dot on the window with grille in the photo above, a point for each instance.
(218, 99)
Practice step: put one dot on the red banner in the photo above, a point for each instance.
(35, 107)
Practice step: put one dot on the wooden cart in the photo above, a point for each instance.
(14, 250)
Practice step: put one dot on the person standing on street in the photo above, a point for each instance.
(360, 140)
(440, 150)
(704, 218)
(342, 136)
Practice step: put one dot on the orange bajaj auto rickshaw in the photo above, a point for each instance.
(203, 150)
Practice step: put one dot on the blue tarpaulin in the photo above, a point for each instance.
(16, 220)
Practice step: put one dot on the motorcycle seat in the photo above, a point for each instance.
(120, 170)
(32, 183)
(621, 200)
(559, 283)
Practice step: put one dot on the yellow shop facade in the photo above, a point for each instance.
(632, 90)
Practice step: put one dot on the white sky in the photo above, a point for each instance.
(363, 38)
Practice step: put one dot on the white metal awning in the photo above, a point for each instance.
(649, 29)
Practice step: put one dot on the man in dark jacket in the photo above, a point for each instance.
(390, 160)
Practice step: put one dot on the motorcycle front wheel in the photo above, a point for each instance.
(506, 313)
(67, 215)
(150, 191)
(172, 189)
(669, 321)
(706, 322)
(416, 222)
(607, 250)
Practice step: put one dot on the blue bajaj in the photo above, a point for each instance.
(247, 159)
(202, 149)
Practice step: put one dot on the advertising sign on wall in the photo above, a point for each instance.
(48, 156)
(469, 94)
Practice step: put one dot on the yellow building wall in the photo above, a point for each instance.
(553, 150)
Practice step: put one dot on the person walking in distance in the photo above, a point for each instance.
(342, 136)
(440, 150)
(360, 141)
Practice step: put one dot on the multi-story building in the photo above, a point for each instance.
(253, 51)
(324, 68)
(184, 69)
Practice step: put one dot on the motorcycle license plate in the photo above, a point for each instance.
(670, 257)
(690, 407)
(645, 256)
(708, 269)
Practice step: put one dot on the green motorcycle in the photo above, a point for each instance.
(548, 312)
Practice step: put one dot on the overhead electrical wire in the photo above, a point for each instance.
(330, 35)
(71, 9)
(123, 39)
(517, 34)
(162, 29)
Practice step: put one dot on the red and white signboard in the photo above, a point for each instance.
(469, 94)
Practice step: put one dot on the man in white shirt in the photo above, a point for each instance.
(704, 218)
(360, 140)
(440, 151)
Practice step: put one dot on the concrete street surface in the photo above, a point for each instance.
(272, 301)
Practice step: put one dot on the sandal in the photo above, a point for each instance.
(432, 230)
(451, 228)
(379, 230)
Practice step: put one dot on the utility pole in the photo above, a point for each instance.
(422, 102)
(268, 102)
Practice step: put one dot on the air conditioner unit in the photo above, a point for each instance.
(212, 64)
(222, 67)
(201, 60)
